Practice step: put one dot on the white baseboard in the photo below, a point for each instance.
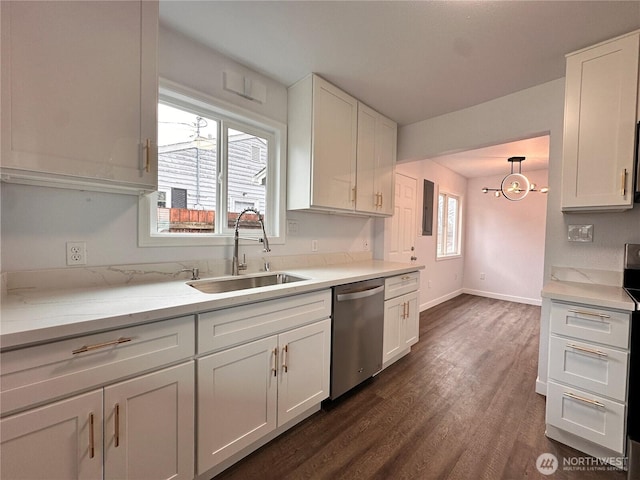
(438, 301)
(499, 296)
(541, 387)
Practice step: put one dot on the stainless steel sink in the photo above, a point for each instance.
(222, 285)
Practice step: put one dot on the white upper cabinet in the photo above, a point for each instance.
(79, 94)
(376, 159)
(599, 126)
(341, 153)
(322, 146)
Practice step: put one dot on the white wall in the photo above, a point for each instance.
(531, 112)
(37, 222)
(189, 63)
(505, 241)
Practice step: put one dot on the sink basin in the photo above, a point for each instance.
(243, 282)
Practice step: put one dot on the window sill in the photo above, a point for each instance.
(146, 239)
(448, 257)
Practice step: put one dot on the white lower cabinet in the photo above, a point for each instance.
(303, 379)
(145, 432)
(599, 369)
(587, 378)
(591, 417)
(400, 325)
(237, 396)
(248, 391)
(54, 441)
(401, 316)
(149, 426)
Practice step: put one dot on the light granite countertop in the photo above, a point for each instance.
(32, 315)
(606, 296)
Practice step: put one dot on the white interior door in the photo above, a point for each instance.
(400, 229)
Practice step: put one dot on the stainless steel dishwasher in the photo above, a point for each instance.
(358, 323)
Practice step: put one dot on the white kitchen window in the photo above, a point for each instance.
(214, 160)
(448, 225)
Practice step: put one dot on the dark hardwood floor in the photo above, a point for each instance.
(460, 406)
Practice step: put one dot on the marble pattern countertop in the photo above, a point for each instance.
(33, 315)
(599, 295)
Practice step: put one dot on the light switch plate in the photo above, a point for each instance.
(580, 233)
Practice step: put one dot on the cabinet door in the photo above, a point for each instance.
(367, 198)
(237, 395)
(81, 82)
(401, 325)
(62, 440)
(304, 369)
(411, 320)
(376, 159)
(386, 148)
(599, 131)
(149, 426)
(335, 117)
(392, 342)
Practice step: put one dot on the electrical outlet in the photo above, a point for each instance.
(314, 245)
(292, 227)
(76, 253)
(482, 276)
(365, 245)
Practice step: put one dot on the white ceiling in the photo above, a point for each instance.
(490, 161)
(411, 60)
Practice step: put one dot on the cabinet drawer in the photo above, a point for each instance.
(595, 368)
(233, 326)
(599, 325)
(36, 374)
(401, 284)
(589, 416)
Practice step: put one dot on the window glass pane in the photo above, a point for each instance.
(187, 170)
(247, 176)
(440, 223)
(452, 226)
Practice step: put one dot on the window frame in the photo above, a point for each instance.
(233, 116)
(443, 240)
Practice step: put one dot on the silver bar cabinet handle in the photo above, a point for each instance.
(87, 348)
(584, 400)
(582, 312)
(587, 350)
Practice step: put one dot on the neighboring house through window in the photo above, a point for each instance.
(213, 162)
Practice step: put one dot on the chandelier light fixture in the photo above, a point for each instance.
(515, 186)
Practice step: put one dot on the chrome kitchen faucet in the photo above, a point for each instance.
(236, 266)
